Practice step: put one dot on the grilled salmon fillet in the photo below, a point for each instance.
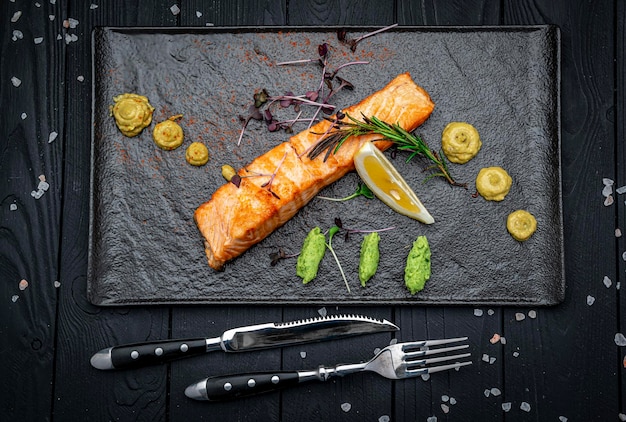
(235, 218)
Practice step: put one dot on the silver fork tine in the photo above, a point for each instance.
(422, 362)
(432, 369)
(428, 343)
(421, 353)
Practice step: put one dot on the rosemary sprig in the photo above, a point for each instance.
(341, 130)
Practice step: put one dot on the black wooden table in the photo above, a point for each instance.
(558, 363)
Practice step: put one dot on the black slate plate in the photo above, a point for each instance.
(146, 249)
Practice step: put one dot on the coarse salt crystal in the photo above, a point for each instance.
(322, 311)
(425, 377)
(37, 4)
(14, 298)
(209, 24)
(621, 190)
(532, 314)
(24, 116)
(495, 391)
(495, 338)
(562, 419)
(618, 232)
(16, 16)
(175, 9)
(485, 357)
(57, 284)
(607, 281)
(44, 186)
(445, 408)
(590, 300)
(525, 406)
(23, 284)
(53, 1)
(452, 401)
(515, 354)
(93, 6)
(622, 416)
(42, 178)
(431, 419)
(36, 194)
(73, 23)
(490, 312)
(384, 418)
(393, 341)
(492, 360)
(445, 398)
(17, 35)
(52, 136)
(478, 312)
(346, 407)
(59, 37)
(607, 190)
(16, 81)
(520, 316)
(624, 256)
(506, 406)
(607, 182)
(618, 284)
(13, 207)
(303, 354)
(620, 340)
(38, 40)
(198, 14)
(80, 78)
(502, 340)
(487, 392)
(51, 17)
(608, 201)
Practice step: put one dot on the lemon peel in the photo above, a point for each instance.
(387, 184)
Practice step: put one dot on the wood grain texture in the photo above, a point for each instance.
(30, 99)
(452, 12)
(563, 337)
(233, 13)
(340, 12)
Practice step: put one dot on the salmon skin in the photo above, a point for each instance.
(236, 218)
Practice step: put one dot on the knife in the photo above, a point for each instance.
(242, 339)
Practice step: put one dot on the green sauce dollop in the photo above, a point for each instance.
(417, 270)
(369, 257)
(311, 255)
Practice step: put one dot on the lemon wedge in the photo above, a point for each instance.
(383, 179)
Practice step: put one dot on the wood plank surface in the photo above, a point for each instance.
(555, 363)
(31, 101)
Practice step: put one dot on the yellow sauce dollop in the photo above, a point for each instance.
(168, 134)
(521, 225)
(493, 183)
(132, 113)
(460, 142)
(197, 154)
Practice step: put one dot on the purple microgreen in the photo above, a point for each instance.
(334, 73)
(312, 95)
(280, 255)
(322, 50)
(236, 180)
(301, 99)
(350, 231)
(287, 99)
(268, 184)
(260, 98)
(343, 37)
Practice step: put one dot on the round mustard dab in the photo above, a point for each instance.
(460, 142)
(493, 183)
(132, 113)
(168, 134)
(521, 224)
(197, 154)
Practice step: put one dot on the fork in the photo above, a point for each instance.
(397, 361)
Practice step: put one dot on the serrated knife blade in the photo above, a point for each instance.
(242, 339)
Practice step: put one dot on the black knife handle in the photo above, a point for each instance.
(228, 387)
(143, 354)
